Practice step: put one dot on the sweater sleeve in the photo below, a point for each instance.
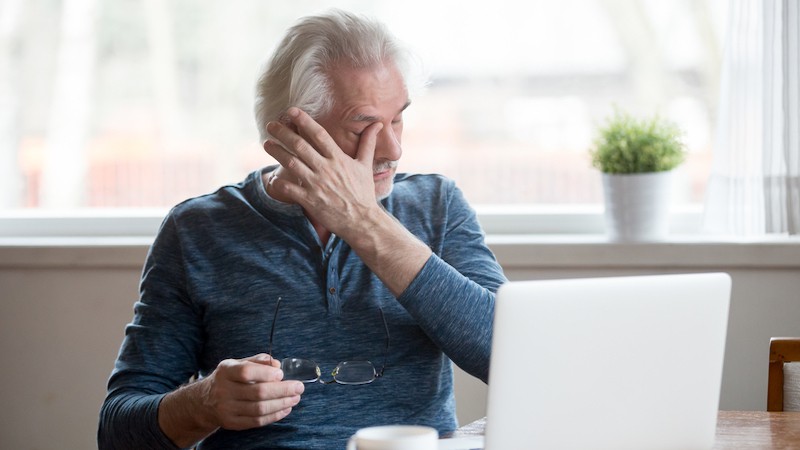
(130, 421)
(157, 355)
(452, 297)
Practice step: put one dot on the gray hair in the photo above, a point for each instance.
(297, 72)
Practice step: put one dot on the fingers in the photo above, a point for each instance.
(366, 146)
(316, 173)
(249, 392)
(257, 392)
(263, 358)
(262, 404)
(262, 399)
(303, 142)
(249, 371)
(243, 415)
(289, 186)
(288, 160)
(304, 139)
(313, 132)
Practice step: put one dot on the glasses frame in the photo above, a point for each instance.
(319, 379)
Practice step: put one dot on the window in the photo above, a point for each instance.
(124, 103)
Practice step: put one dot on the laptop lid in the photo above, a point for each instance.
(607, 363)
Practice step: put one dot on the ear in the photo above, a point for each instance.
(285, 120)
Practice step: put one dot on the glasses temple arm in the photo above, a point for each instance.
(272, 330)
(386, 351)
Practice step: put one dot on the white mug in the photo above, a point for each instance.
(395, 437)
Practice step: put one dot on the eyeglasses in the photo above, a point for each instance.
(346, 372)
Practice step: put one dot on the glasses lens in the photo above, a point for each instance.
(354, 372)
(303, 370)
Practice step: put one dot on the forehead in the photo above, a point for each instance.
(378, 91)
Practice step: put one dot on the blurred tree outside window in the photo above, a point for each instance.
(143, 103)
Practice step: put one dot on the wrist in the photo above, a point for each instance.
(370, 230)
(392, 252)
(185, 415)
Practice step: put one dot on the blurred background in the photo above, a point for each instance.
(143, 103)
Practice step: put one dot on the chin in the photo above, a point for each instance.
(383, 192)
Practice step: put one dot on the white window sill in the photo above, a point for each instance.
(676, 252)
(532, 237)
(513, 251)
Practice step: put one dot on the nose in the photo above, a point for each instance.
(387, 146)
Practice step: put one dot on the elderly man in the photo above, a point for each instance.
(303, 308)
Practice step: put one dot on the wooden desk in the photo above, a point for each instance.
(735, 430)
(757, 429)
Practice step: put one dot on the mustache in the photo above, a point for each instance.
(384, 166)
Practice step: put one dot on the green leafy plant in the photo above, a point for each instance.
(628, 145)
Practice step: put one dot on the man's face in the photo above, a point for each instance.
(363, 97)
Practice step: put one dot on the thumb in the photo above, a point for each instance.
(263, 358)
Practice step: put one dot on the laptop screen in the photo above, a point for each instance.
(619, 362)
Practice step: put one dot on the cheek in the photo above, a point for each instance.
(348, 144)
(345, 140)
(350, 148)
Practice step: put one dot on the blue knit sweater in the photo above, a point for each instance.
(209, 289)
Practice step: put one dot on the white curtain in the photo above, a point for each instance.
(754, 188)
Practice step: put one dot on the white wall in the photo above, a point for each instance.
(63, 310)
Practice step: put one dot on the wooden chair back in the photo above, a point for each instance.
(781, 351)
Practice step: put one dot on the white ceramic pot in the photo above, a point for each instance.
(637, 206)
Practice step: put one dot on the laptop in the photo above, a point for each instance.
(607, 363)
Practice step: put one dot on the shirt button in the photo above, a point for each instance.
(332, 290)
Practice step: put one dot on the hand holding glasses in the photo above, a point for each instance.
(346, 372)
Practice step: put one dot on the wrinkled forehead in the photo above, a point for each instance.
(366, 94)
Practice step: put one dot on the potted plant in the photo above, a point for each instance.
(637, 158)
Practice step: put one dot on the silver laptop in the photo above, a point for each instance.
(608, 363)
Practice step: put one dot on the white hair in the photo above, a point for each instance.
(297, 72)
